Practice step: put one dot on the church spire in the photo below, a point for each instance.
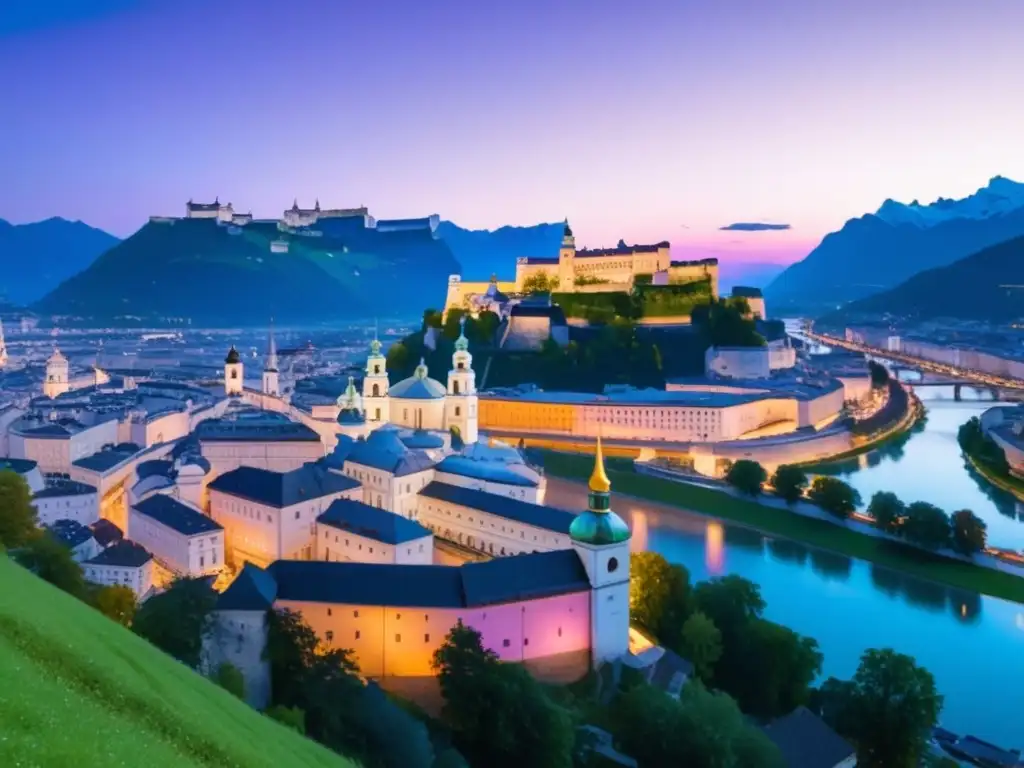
(462, 343)
(271, 349)
(599, 482)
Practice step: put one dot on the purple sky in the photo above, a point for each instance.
(646, 120)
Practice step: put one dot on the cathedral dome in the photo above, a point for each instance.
(599, 524)
(419, 386)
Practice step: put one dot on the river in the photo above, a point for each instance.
(973, 645)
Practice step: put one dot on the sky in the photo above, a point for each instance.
(644, 120)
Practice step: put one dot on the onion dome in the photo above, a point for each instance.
(462, 343)
(567, 232)
(375, 346)
(599, 524)
(233, 356)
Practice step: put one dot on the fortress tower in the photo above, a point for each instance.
(601, 539)
(567, 260)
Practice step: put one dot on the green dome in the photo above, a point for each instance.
(599, 528)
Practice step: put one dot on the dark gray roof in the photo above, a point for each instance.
(554, 313)
(175, 515)
(493, 471)
(805, 741)
(71, 533)
(422, 440)
(549, 518)
(21, 466)
(541, 260)
(57, 488)
(123, 554)
(282, 489)
(626, 251)
(49, 430)
(503, 580)
(252, 590)
(983, 753)
(371, 522)
(259, 431)
(160, 467)
(742, 291)
(109, 458)
(384, 449)
(105, 532)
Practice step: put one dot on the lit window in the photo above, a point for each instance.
(398, 638)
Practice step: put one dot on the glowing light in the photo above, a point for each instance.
(714, 550)
(638, 541)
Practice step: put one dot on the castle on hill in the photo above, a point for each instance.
(600, 270)
(297, 217)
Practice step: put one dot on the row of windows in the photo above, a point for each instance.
(506, 643)
(494, 526)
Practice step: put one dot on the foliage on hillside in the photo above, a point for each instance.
(196, 269)
(79, 689)
(644, 301)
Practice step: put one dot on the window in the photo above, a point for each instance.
(426, 638)
(297, 512)
(355, 614)
(398, 638)
(202, 561)
(613, 564)
(398, 616)
(559, 631)
(506, 642)
(458, 410)
(329, 636)
(357, 634)
(328, 611)
(526, 641)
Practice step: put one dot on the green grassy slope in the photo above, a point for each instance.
(77, 689)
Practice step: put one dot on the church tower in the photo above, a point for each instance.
(567, 260)
(3, 346)
(271, 384)
(233, 372)
(461, 400)
(375, 384)
(601, 539)
(57, 369)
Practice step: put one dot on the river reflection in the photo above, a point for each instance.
(974, 646)
(926, 465)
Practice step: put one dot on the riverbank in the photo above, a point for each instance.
(1011, 485)
(774, 521)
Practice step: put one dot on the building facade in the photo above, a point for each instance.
(182, 538)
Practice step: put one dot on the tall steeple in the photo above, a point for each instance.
(375, 382)
(3, 346)
(271, 350)
(599, 524)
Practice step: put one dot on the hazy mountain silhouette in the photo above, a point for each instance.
(483, 252)
(878, 251)
(987, 286)
(34, 258)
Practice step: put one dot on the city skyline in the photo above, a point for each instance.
(647, 122)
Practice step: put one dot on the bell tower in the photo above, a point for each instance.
(57, 371)
(375, 384)
(271, 383)
(601, 539)
(3, 347)
(461, 399)
(233, 372)
(567, 260)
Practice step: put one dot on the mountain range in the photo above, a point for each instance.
(986, 286)
(486, 252)
(877, 252)
(34, 258)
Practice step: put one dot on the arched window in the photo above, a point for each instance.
(376, 390)
(376, 369)
(234, 374)
(455, 387)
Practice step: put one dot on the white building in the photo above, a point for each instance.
(76, 537)
(234, 373)
(182, 538)
(124, 563)
(492, 524)
(3, 346)
(57, 374)
(271, 516)
(57, 445)
(278, 445)
(494, 467)
(214, 210)
(420, 402)
(271, 382)
(67, 500)
(352, 530)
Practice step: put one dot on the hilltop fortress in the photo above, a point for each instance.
(298, 218)
(601, 270)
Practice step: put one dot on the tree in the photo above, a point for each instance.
(968, 532)
(879, 374)
(887, 510)
(291, 651)
(177, 620)
(117, 602)
(790, 482)
(485, 327)
(229, 677)
(772, 672)
(499, 715)
(746, 476)
(17, 515)
(888, 710)
(700, 729)
(432, 319)
(52, 561)
(834, 496)
(397, 358)
(701, 644)
(926, 525)
(540, 282)
(659, 596)
(293, 717)
(453, 323)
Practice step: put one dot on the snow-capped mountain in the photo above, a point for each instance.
(999, 196)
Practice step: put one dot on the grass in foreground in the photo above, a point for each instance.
(78, 689)
(790, 525)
